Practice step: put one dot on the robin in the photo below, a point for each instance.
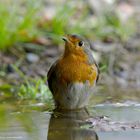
(72, 78)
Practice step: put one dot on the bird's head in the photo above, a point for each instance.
(74, 44)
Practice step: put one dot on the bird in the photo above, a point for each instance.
(72, 77)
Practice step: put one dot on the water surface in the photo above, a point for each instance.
(72, 125)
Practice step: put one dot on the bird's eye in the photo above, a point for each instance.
(80, 43)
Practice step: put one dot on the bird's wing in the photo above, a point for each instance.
(52, 75)
(52, 68)
(98, 71)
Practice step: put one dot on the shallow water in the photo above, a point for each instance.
(128, 111)
(120, 112)
(125, 135)
(72, 125)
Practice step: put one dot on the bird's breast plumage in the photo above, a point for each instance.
(73, 69)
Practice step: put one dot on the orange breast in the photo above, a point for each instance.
(76, 69)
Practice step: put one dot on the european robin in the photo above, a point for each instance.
(72, 77)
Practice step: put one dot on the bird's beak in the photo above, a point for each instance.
(65, 39)
(68, 43)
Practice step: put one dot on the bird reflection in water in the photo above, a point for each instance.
(70, 125)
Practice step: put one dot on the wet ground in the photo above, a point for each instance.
(116, 121)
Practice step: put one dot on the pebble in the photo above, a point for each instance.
(32, 58)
